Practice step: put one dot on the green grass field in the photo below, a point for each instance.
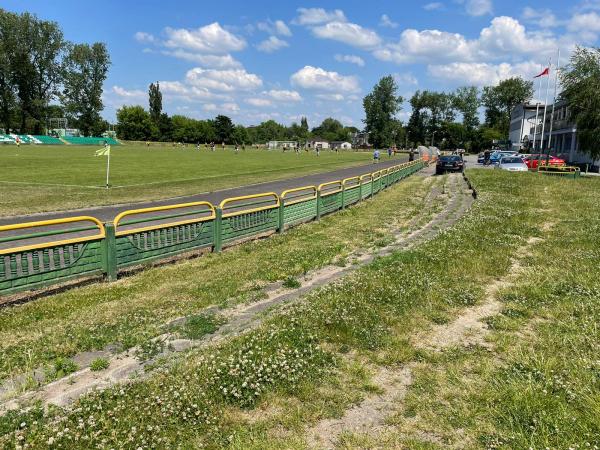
(36, 179)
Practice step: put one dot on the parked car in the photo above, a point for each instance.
(512, 164)
(449, 163)
(499, 154)
(533, 160)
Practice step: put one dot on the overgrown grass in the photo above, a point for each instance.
(34, 179)
(134, 309)
(538, 388)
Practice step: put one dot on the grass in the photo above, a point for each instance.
(537, 387)
(36, 179)
(99, 364)
(134, 310)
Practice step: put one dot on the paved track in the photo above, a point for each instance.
(107, 213)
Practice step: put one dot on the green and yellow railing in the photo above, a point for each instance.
(35, 255)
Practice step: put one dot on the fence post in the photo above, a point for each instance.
(281, 216)
(359, 190)
(318, 204)
(110, 252)
(372, 185)
(343, 196)
(218, 237)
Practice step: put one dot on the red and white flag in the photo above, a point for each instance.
(545, 72)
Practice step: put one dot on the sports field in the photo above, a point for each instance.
(36, 179)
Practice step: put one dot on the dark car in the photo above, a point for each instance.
(449, 163)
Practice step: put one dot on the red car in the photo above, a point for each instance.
(533, 160)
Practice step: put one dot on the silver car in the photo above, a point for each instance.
(512, 164)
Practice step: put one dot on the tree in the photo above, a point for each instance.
(134, 124)
(223, 128)
(330, 129)
(381, 107)
(500, 100)
(36, 67)
(304, 124)
(7, 89)
(86, 67)
(466, 100)
(581, 89)
(155, 100)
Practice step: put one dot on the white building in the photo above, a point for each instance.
(521, 126)
(317, 142)
(272, 145)
(562, 142)
(342, 145)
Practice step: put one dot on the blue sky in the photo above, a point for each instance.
(259, 60)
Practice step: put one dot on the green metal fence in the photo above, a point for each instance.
(61, 250)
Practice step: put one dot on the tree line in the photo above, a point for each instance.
(444, 119)
(138, 124)
(42, 75)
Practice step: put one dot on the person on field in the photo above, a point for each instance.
(212, 146)
(318, 150)
(389, 152)
(376, 156)
(243, 146)
(411, 155)
(223, 145)
(237, 148)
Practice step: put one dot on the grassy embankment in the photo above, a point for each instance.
(536, 386)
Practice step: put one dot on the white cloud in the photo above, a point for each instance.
(353, 59)
(406, 79)
(278, 27)
(385, 21)
(315, 16)
(209, 107)
(316, 78)
(212, 61)
(545, 18)
(482, 74)
(478, 7)
(230, 107)
(272, 44)
(142, 36)
(130, 94)
(223, 80)
(259, 102)
(426, 45)
(506, 37)
(348, 33)
(587, 25)
(433, 6)
(207, 39)
(283, 95)
(188, 92)
(331, 97)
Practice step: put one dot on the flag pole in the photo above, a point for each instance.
(537, 109)
(553, 106)
(107, 168)
(544, 119)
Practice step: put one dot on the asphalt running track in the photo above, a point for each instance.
(108, 213)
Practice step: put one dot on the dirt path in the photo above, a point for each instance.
(243, 318)
(467, 329)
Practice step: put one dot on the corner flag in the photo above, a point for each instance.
(105, 152)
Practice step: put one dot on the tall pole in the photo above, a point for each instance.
(553, 104)
(537, 110)
(107, 168)
(545, 109)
